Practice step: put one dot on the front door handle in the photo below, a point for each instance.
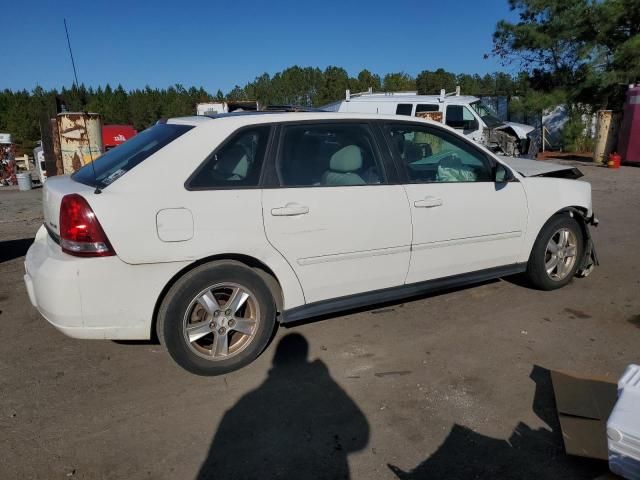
(428, 202)
(290, 210)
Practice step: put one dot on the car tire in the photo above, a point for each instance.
(548, 270)
(217, 318)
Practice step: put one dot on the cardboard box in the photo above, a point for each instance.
(584, 405)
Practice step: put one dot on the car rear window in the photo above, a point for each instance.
(118, 161)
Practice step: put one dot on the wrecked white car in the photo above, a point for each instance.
(212, 230)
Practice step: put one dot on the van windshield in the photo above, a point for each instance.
(489, 117)
(119, 160)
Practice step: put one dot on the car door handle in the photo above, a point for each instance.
(290, 210)
(428, 202)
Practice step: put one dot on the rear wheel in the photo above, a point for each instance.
(556, 253)
(217, 318)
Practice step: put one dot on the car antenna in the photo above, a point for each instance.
(84, 105)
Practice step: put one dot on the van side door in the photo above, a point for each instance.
(463, 119)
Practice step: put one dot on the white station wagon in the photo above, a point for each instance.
(211, 230)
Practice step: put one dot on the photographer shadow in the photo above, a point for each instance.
(298, 424)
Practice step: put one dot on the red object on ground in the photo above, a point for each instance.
(114, 135)
(614, 160)
(629, 139)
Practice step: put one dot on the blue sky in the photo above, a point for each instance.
(217, 44)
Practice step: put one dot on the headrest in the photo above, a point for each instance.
(347, 159)
(233, 161)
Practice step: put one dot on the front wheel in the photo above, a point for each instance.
(217, 318)
(556, 253)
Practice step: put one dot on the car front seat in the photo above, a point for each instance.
(343, 166)
(233, 164)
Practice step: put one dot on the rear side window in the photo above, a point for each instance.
(326, 155)
(424, 107)
(404, 109)
(118, 161)
(237, 163)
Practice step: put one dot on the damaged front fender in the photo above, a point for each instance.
(589, 258)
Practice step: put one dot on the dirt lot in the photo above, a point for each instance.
(447, 386)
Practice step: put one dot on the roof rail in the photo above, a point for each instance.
(348, 95)
(444, 94)
(290, 108)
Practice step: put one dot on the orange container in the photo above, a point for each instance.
(614, 160)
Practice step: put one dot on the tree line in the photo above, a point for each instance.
(22, 112)
(581, 53)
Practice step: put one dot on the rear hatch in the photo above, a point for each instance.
(105, 170)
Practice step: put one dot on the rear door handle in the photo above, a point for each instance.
(290, 210)
(428, 202)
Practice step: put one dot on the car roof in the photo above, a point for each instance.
(242, 119)
(253, 117)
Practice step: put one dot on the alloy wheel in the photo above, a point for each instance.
(221, 321)
(560, 254)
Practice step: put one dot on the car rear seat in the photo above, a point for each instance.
(343, 166)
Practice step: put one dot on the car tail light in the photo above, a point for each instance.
(80, 231)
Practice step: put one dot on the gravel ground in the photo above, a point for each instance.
(453, 385)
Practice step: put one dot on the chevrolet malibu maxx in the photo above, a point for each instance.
(210, 231)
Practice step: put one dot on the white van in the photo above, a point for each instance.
(39, 163)
(216, 108)
(463, 112)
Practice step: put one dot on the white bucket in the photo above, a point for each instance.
(24, 181)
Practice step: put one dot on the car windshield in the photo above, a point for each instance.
(107, 168)
(489, 117)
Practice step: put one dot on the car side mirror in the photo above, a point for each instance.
(502, 174)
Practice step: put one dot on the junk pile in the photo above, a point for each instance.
(7, 160)
(601, 419)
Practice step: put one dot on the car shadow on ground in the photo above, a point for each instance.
(527, 453)
(519, 280)
(299, 423)
(383, 305)
(10, 249)
(151, 341)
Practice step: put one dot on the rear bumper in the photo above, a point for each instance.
(98, 298)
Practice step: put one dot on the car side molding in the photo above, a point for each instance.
(376, 297)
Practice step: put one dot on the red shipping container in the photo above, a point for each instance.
(629, 139)
(114, 135)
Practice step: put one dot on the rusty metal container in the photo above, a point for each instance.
(55, 144)
(607, 126)
(80, 139)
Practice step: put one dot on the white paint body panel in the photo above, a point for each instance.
(477, 226)
(174, 224)
(94, 297)
(354, 239)
(545, 197)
